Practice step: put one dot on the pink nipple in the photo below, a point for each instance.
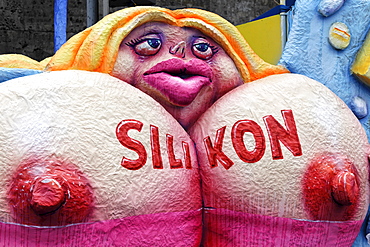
(49, 192)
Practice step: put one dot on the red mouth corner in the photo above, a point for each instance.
(179, 81)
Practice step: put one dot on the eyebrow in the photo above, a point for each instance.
(151, 31)
(199, 37)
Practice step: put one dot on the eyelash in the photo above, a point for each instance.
(214, 49)
(134, 42)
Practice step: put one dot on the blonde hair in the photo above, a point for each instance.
(96, 48)
(18, 61)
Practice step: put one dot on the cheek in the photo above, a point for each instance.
(225, 75)
(124, 68)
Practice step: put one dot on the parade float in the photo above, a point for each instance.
(159, 127)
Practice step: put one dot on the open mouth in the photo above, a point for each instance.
(182, 75)
(178, 81)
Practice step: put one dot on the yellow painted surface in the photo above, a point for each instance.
(361, 66)
(264, 36)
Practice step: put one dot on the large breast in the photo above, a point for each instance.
(113, 151)
(283, 147)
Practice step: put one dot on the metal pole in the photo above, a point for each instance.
(284, 25)
(60, 23)
(92, 12)
(105, 7)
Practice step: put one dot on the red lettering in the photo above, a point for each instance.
(174, 163)
(288, 136)
(156, 151)
(185, 147)
(122, 135)
(237, 134)
(215, 153)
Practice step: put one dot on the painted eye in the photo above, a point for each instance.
(202, 47)
(148, 47)
(203, 50)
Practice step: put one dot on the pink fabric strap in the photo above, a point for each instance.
(221, 228)
(165, 229)
(229, 228)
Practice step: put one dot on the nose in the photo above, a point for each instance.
(178, 50)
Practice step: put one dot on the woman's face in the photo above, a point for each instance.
(181, 68)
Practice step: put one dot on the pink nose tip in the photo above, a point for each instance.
(178, 50)
(47, 195)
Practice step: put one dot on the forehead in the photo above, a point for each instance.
(166, 29)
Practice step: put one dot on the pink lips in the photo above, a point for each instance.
(179, 81)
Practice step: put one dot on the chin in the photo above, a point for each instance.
(187, 115)
(186, 123)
